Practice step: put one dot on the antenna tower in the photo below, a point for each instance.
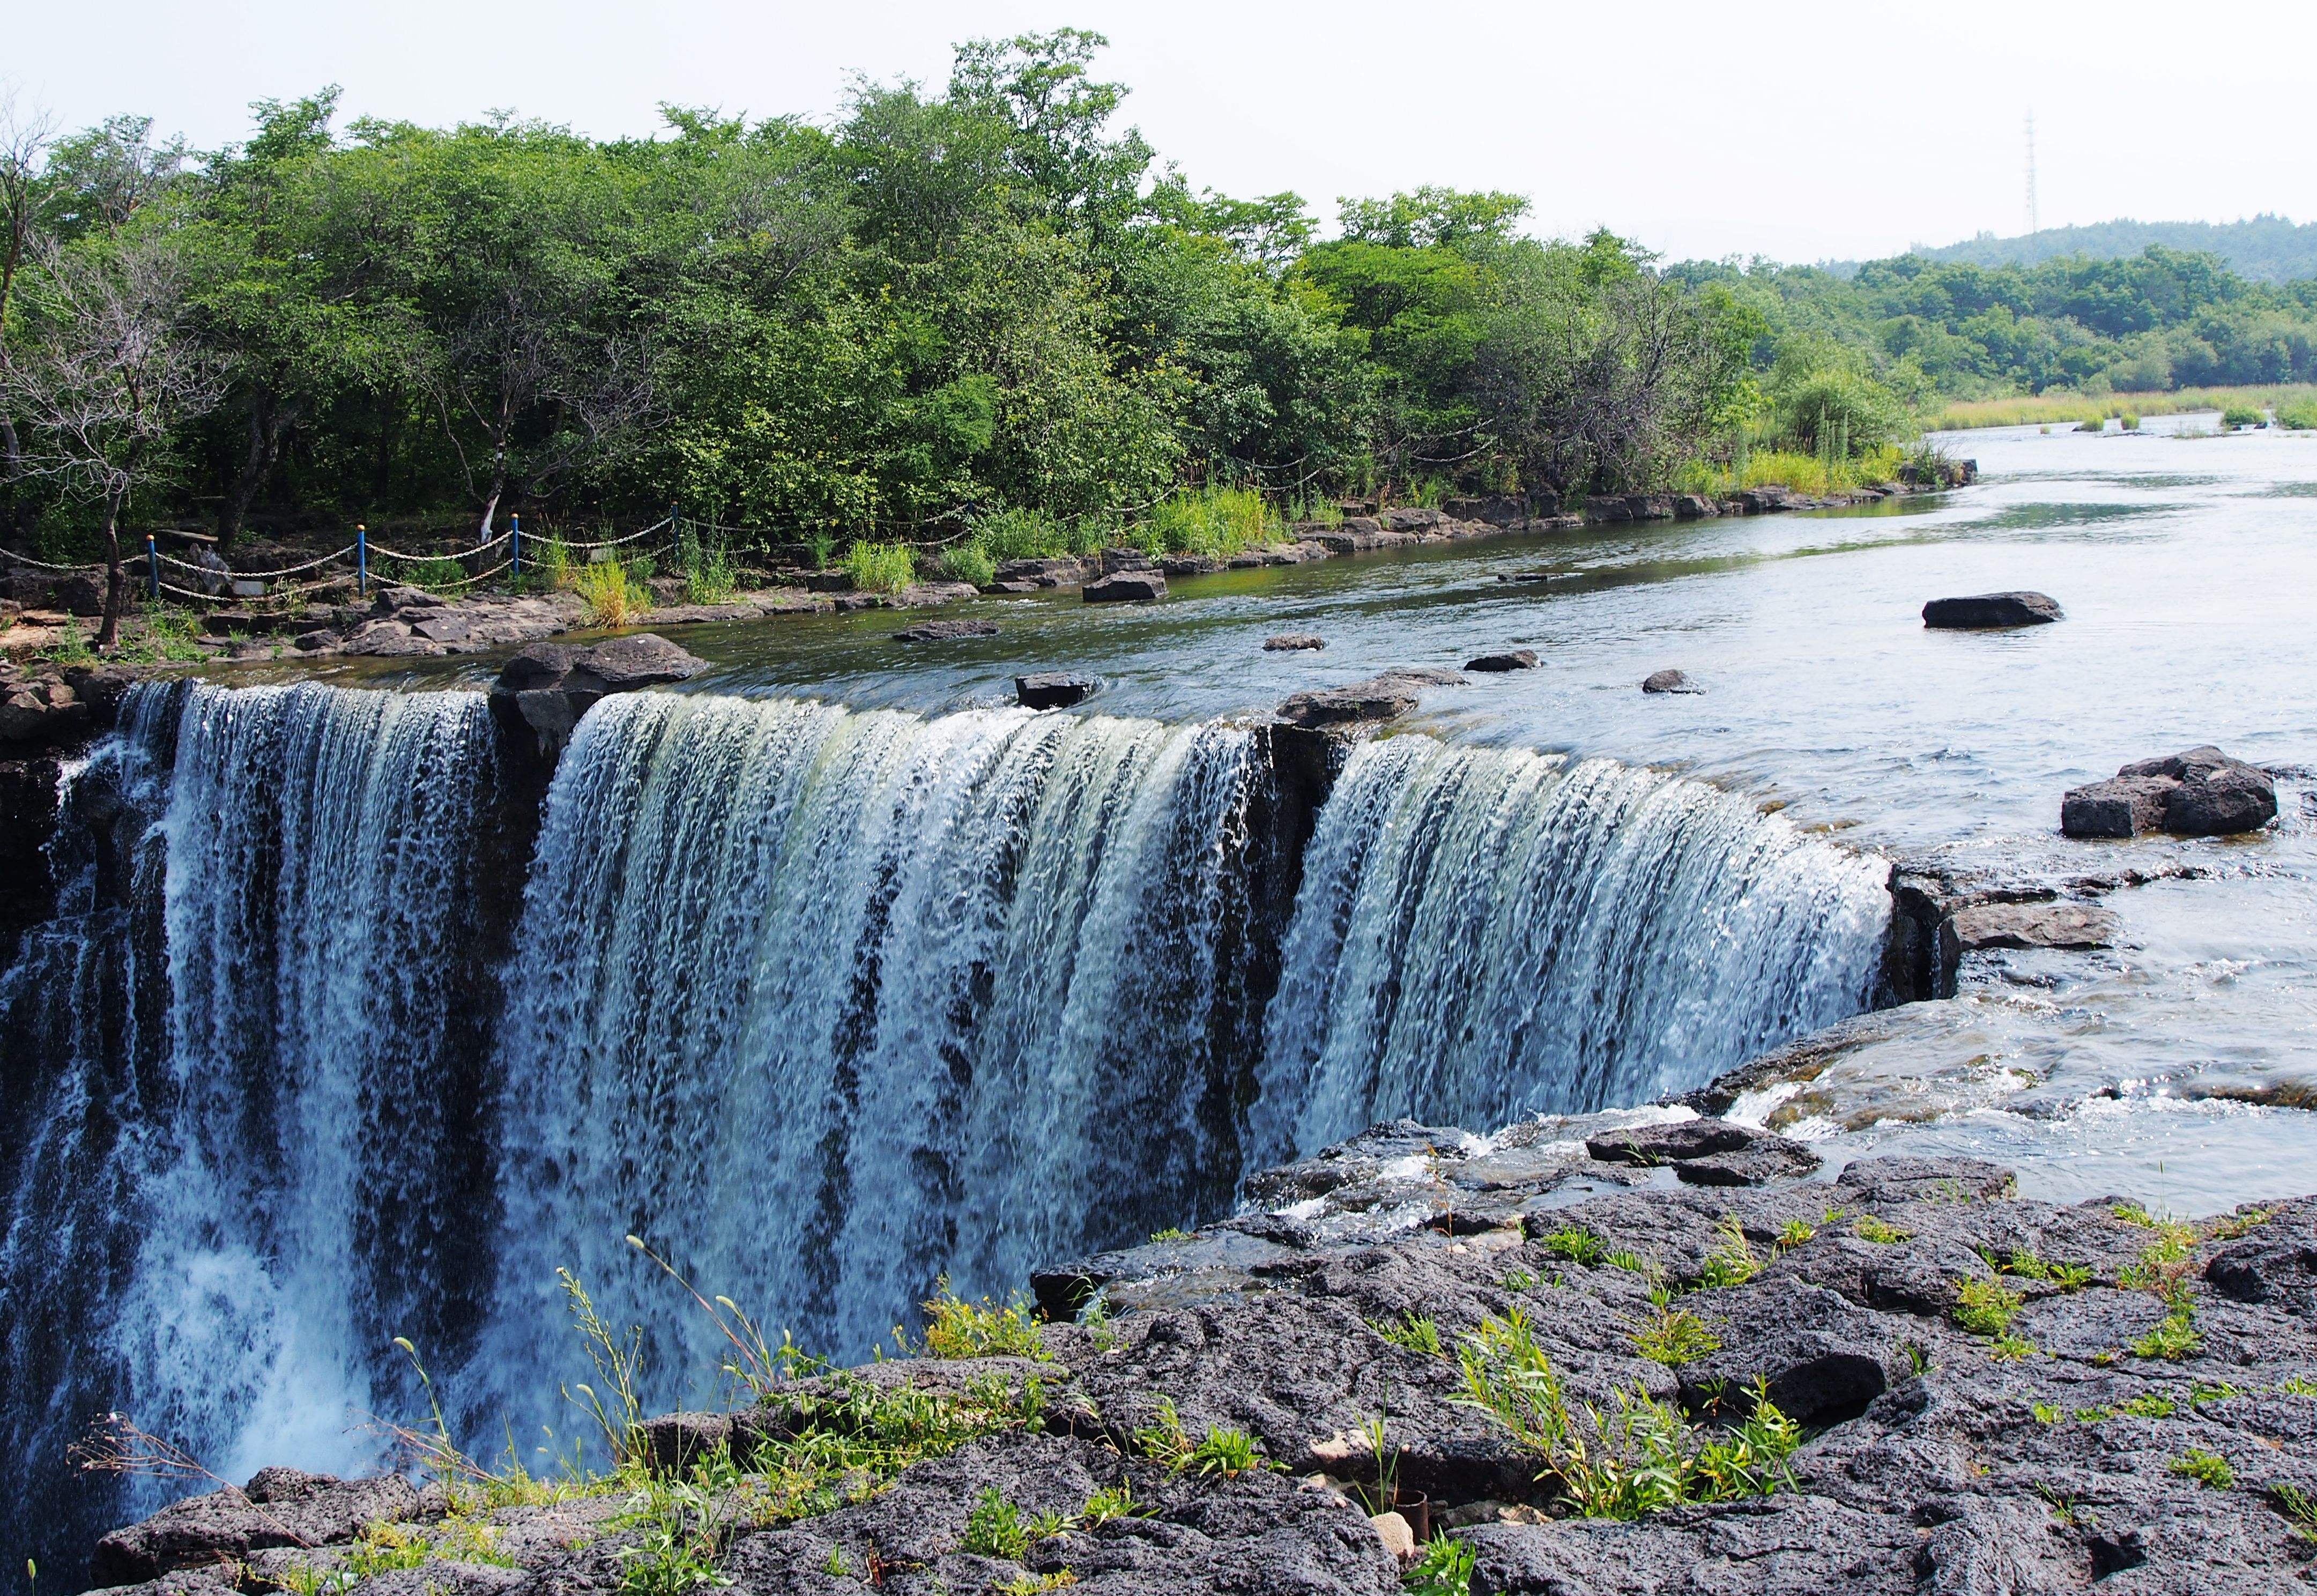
(2034, 220)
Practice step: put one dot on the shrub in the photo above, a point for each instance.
(880, 568)
(2092, 424)
(994, 1527)
(2243, 416)
(1021, 534)
(955, 1328)
(2302, 417)
(612, 595)
(969, 562)
(2129, 422)
(436, 575)
(1676, 1336)
(1214, 521)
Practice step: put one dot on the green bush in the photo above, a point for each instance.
(969, 562)
(880, 568)
(2243, 416)
(1215, 522)
(1022, 533)
(2301, 417)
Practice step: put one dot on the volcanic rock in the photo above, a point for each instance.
(1668, 681)
(936, 632)
(2201, 792)
(1290, 642)
(1053, 690)
(548, 686)
(1992, 609)
(1127, 586)
(280, 1507)
(1515, 659)
(2030, 925)
(1378, 698)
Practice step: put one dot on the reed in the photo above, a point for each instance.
(2065, 408)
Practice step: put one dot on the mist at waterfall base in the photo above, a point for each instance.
(827, 1005)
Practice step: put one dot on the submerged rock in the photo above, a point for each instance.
(1292, 641)
(1126, 586)
(2199, 793)
(1668, 681)
(935, 631)
(1513, 660)
(1992, 609)
(1378, 698)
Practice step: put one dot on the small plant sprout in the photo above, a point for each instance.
(1733, 1261)
(1675, 1336)
(955, 1328)
(1868, 1228)
(1794, 1232)
(835, 1565)
(1415, 1333)
(1444, 1569)
(1171, 1233)
(1228, 1451)
(1577, 1245)
(1165, 1440)
(1985, 1307)
(994, 1528)
(1113, 1501)
(2299, 1510)
(1520, 1280)
(1918, 1358)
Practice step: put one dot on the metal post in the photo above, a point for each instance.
(153, 566)
(515, 547)
(361, 560)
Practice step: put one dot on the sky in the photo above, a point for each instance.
(1799, 131)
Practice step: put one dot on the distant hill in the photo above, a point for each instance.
(2267, 248)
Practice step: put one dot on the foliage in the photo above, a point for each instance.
(1229, 1451)
(2175, 1336)
(1675, 1336)
(1576, 1244)
(2235, 416)
(969, 562)
(612, 594)
(1216, 522)
(880, 568)
(1113, 1501)
(1732, 1261)
(993, 1529)
(1444, 1569)
(1415, 1333)
(2298, 1507)
(1868, 1228)
(955, 1328)
(2208, 1469)
(708, 574)
(1985, 1307)
(2299, 415)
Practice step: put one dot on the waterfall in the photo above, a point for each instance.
(327, 1044)
(1483, 933)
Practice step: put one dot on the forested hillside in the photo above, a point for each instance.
(2261, 248)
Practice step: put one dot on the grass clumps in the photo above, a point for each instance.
(2236, 416)
(1868, 1228)
(1674, 1336)
(2175, 1337)
(1214, 521)
(2024, 1263)
(1986, 1307)
(994, 1528)
(1731, 1262)
(2208, 1469)
(969, 561)
(2299, 415)
(1411, 1330)
(955, 1328)
(1642, 1457)
(613, 591)
(1445, 1569)
(2299, 1507)
(1578, 1246)
(880, 568)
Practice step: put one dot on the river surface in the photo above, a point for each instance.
(2188, 568)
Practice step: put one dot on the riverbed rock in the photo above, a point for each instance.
(548, 686)
(1292, 641)
(1985, 610)
(2200, 792)
(1053, 690)
(1669, 681)
(2059, 925)
(42, 712)
(1378, 698)
(1512, 659)
(1126, 586)
(1707, 1152)
(280, 1507)
(937, 632)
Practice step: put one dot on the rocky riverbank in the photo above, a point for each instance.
(1633, 1352)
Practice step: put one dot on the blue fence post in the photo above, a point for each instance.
(153, 566)
(361, 560)
(515, 547)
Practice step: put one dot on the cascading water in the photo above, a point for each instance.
(825, 1005)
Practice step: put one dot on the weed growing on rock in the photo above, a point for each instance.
(1380, 1496)
(1985, 1307)
(2299, 1387)
(1229, 1452)
(2045, 1413)
(2008, 1347)
(1030, 1584)
(1113, 1501)
(1520, 1280)
(2064, 1512)
(1870, 1229)
(2231, 1227)
(1918, 1358)
(955, 1328)
(1166, 1441)
(1409, 1330)
(994, 1528)
(1794, 1233)
(2175, 1337)
(685, 1528)
(2023, 1262)
(1625, 1258)
(2150, 1404)
(2208, 1469)
(1675, 1336)
(2299, 1510)
(1445, 1569)
(834, 1565)
(1577, 1245)
(1733, 1262)
(1171, 1233)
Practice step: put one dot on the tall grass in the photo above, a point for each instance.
(880, 568)
(2299, 415)
(1813, 474)
(1212, 521)
(1024, 533)
(969, 561)
(2059, 408)
(614, 595)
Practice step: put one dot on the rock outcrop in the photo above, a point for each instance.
(1288, 642)
(2201, 792)
(546, 688)
(1126, 586)
(939, 631)
(1985, 610)
(1053, 690)
(1907, 1378)
(1378, 698)
(1511, 660)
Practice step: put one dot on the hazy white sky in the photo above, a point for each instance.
(1796, 131)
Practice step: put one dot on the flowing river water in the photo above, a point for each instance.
(832, 974)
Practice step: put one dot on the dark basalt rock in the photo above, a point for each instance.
(1292, 642)
(1985, 610)
(1707, 1152)
(2199, 793)
(280, 1507)
(1053, 690)
(1668, 681)
(1127, 586)
(546, 688)
(1515, 659)
(935, 631)
(1379, 698)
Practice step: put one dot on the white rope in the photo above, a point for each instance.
(44, 565)
(658, 525)
(254, 576)
(467, 552)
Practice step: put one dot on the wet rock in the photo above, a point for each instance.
(2225, 802)
(1535, 575)
(2118, 807)
(2276, 1266)
(1515, 660)
(1127, 586)
(2074, 926)
(1707, 1152)
(918, 595)
(1873, 1182)
(1378, 698)
(1059, 572)
(1695, 507)
(280, 1507)
(2199, 793)
(936, 632)
(43, 711)
(1053, 690)
(1992, 609)
(320, 641)
(547, 687)
(1668, 681)
(1290, 642)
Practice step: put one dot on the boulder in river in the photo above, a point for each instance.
(1668, 681)
(936, 631)
(1512, 659)
(1126, 586)
(1053, 690)
(1378, 698)
(1992, 609)
(1292, 641)
(2059, 925)
(2201, 792)
(548, 686)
